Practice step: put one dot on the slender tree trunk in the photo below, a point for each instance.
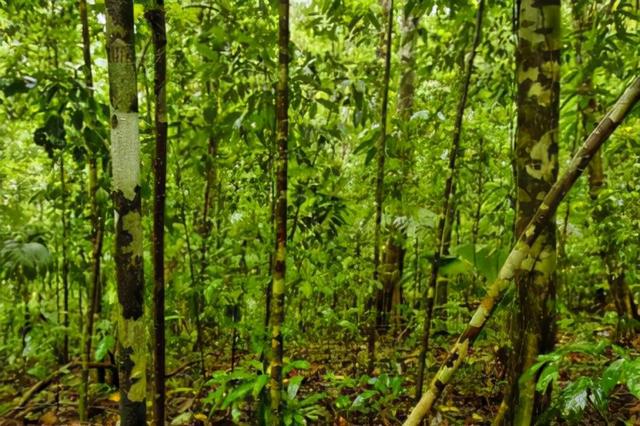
(208, 212)
(211, 181)
(533, 322)
(156, 17)
(194, 299)
(125, 154)
(65, 263)
(475, 227)
(379, 197)
(524, 246)
(395, 250)
(448, 190)
(279, 265)
(442, 284)
(97, 225)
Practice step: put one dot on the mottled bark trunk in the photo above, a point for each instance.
(125, 154)
(536, 151)
(447, 197)
(525, 245)
(156, 17)
(280, 215)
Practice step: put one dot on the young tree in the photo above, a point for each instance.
(447, 208)
(381, 147)
(393, 253)
(280, 214)
(96, 223)
(125, 154)
(536, 152)
(156, 17)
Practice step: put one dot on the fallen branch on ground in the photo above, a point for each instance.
(44, 383)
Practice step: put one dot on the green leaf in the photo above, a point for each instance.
(611, 375)
(77, 119)
(363, 397)
(106, 344)
(631, 376)
(294, 386)
(299, 364)
(237, 394)
(24, 260)
(575, 398)
(259, 384)
(451, 266)
(342, 402)
(549, 375)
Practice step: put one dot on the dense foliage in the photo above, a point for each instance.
(221, 196)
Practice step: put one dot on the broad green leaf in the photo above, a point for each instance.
(294, 386)
(105, 345)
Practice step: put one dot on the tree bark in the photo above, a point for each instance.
(125, 154)
(156, 17)
(280, 216)
(448, 190)
(536, 151)
(524, 246)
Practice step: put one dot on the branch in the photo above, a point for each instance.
(43, 384)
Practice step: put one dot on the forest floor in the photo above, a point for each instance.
(333, 391)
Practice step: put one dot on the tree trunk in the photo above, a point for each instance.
(280, 216)
(208, 211)
(194, 294)
(97, 225)
(156, 17)
(65, 262)
(395, 247)
(533, 321)
(524, 246)
(125, 154)
(381, 147)
(446, 208)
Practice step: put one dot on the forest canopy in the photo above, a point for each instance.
(327, 212)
